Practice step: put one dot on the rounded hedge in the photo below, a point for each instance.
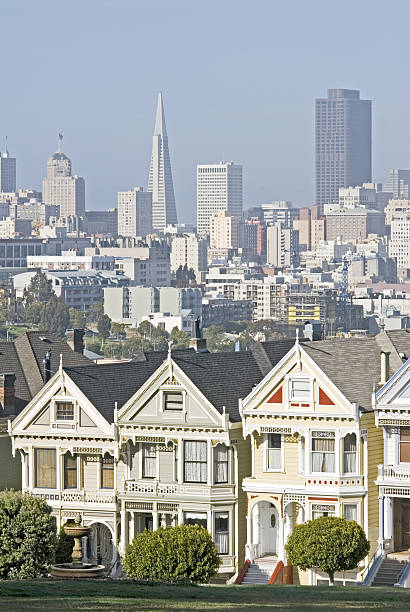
(27, 536)
(185, 553)
(329, 543)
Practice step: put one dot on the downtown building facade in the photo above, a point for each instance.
(134, 212)
(61, 188)
(7, 173)
(343, 143)
(219, 188)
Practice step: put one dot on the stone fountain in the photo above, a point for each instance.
(77, 569)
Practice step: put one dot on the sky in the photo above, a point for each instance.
(239, 80)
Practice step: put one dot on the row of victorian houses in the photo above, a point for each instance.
(247, 444)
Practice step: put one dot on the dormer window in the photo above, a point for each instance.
(173, 400)
(64, 411)
(300, 389)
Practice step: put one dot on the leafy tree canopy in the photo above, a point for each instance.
(77, 318)
(329, 543)
(179, 338)
(104, 326)
(38, 290)
(216, 341)
(94, 312)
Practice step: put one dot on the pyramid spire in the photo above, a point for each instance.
(160, 182)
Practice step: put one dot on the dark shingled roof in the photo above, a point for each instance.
(24, 358)
(223, 378)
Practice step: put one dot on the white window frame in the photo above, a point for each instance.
(79, 475)
(218, 510)
(265, 452)
(308, 400)
(335, 452)
(141, 461)
(53, 408)
(356, 504)
(176, 414)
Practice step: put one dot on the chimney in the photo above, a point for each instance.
(384, 367)
(75, 340)
(7, 392)
(47, 366)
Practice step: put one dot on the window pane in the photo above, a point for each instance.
(349, 454)
(405, 452)
(45, 461)
(350, 512)
(149, 460)
(70, 471)
(300, 388)
(222, 532)
(64, 411)
(195, 461)
(195, 518)
(173, 400)
(107, 473)
(220, 463)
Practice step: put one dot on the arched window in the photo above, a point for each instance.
(349, 453)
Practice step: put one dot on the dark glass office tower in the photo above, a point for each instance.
(343, 151)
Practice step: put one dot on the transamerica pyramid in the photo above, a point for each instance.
(160, 175)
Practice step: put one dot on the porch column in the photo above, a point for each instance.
(281, 540)
(163, 520)
(180, 517)
(132, 525)
(154, 518)
(174, 520)
(381, 513)
(388, 518)
(248, 548)
(123, 542)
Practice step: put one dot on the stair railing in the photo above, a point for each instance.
(372, 567)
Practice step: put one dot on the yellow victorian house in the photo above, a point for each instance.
(315, 448)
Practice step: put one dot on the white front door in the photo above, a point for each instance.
(268, 530)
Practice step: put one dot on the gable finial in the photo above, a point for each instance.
(170, 343)
(170, 372)
(61, 362)
(298, 355)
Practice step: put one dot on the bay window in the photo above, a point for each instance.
(323, 451)
(220, 464)
(222, 532)
(274, 451)
(349, 454)
(45, 461)
(404, 444)
(195, 461)
(149, 460)
(70, 471)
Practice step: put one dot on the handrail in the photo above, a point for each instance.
(275, 572)
(404, 575)
(366, 573)
(243, 571)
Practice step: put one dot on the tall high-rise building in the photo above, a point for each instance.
(160, 182)
(282, 246)
(7, 173)
(224, 231)
(219, 187)
(398, 183)
(343, 150)
(134, 212)
(62, 189)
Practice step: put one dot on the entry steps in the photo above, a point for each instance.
(389, 572)
(260, 571)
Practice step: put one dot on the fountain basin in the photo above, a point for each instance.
(77, 570)
(76, 531)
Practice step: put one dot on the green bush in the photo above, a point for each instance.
(329, 543)
(27, 536)
(176, 554)
(65, 544)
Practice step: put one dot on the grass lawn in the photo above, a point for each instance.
(85, 595)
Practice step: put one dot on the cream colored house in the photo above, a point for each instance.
(315, 446)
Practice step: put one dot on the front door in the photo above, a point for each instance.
(405, 522)
(268, 527)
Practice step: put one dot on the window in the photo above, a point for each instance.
(64, 411)
(45, 468)
(222, 532)
(173, 400)
(195, 464)
(299, 389)
(323, 451)
(350, 512)
(107, 472)
(220, 464)
(70, 471)
(349, 454)
(196, 518)
(274, 451)
(149, 460)
(319, 510)
(405, 444)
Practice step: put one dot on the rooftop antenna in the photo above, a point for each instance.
(60, 142)
(6, 151)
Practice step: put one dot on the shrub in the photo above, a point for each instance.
(65, 544)
(176, 554)
(329, 543)
(27, 536)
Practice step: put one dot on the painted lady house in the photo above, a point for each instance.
(153, 442)
(315, 446)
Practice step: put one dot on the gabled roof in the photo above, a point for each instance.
(24, 358)
(223, 378)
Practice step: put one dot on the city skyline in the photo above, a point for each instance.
(266, 125)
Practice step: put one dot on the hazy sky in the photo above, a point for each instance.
(239, 80)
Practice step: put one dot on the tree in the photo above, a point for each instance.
(77, 318)
(65, 544)
(32, 314)
(216, 340)
(180, 339)
(27, 536)
(104, 326)
(176, 554)
(329, 543)
(55, 316)
(118, 329)
(94, 312)
(38, 290)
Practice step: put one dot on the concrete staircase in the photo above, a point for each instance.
(389, 572)
(260, 571)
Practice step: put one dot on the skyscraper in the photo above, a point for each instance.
(343, 149)
(61, 188)
(398, 183)
(219, 187)
(160, 175)
(134, 212)
(7, 172)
